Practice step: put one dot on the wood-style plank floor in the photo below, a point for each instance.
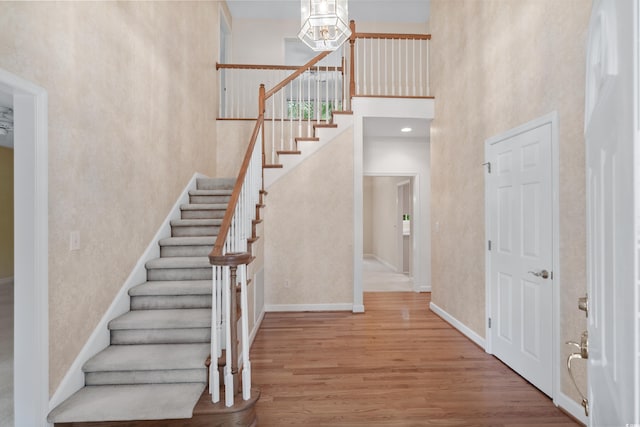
(398, 364)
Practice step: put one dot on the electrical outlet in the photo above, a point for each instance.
(74, 240)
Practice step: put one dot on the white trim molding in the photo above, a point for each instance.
(272, 308)
(465, 330)
(100, 337)
(31, 250)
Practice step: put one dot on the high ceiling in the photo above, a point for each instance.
(360, 10)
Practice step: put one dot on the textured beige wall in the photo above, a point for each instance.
(233, 140)
(309, 229)
(132, 108)
(497, 64)
(6, 212)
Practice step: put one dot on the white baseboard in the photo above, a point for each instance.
(571, 407)
(256, 328)
(358, 308)
(269, 308)
(466, 331)
(6, 280)
(100, 338)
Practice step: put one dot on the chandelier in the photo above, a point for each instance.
(325, 24)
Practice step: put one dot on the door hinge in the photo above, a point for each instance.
(488, 165)
(489, 322)
(489, 244)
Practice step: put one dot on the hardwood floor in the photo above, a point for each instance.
(398, 364)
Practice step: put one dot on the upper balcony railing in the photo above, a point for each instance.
(373, 64)
(389, 65)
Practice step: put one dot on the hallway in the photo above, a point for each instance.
(378, 277)
(398, 364)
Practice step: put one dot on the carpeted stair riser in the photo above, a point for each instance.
(163, 302)
(195, 228)
(215, 183)
(147, 377)
(209, 196)
(203, 211)
(185, 251)
(179, 274)
(161, 336)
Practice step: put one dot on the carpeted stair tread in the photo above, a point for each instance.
(203, 206)
(195, 222)
(175, 287)
(149, 357)
(178, 262)
(163, 319)
(129, 402)
(188, 241)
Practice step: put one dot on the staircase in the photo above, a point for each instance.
(155, 366)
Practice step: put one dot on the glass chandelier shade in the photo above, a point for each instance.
(325, 24)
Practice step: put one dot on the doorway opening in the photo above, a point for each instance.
(31, 251)
(387, 237)
(6, 259)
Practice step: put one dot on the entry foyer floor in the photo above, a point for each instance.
(398, 364)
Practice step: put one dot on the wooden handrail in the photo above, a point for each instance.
(272, 67)
(293, 76)
(393, 36)
(218, 246)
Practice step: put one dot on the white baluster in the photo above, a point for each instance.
(281, 120)
(326, 93)
(290, 86)
(406, 71)
(309, 116)
(413, 58)
(378, 42)
(393, 66)
(371, 68)
(298, 104)
(317, 96)
(364, 66)
(273, 130)
(246, 364)
(336, 79)
(420, 68)
(428, 70)
(228, 376)
(214, 375)
(386, 68)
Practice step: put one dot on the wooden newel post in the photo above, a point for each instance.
(352, 49)
(233, 260)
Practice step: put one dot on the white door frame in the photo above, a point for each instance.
(552, 119)
(31, 273)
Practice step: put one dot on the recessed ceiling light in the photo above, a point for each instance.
(406, 130)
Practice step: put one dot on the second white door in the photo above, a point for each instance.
(520, 203)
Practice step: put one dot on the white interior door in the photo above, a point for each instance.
(520, 203)
(612, 233)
